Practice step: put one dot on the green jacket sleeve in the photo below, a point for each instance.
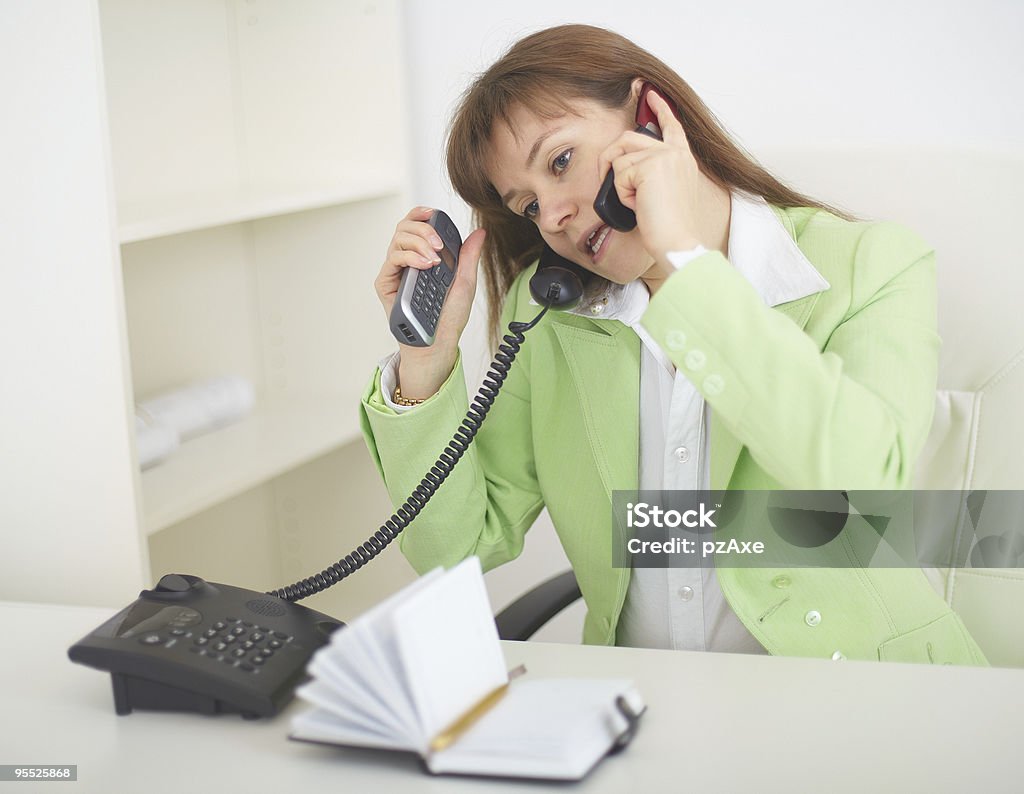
(490, 499)
(844, 405)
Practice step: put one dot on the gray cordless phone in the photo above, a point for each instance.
(421, 294)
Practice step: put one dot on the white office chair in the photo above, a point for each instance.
(965, 204)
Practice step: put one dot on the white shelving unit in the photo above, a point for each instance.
(257, 159)
(146, 221)
(259, 164)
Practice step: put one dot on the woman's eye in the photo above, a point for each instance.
(560, 163)
(558, 166)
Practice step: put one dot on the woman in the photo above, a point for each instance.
(742, 336)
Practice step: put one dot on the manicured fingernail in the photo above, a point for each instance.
(436, 242)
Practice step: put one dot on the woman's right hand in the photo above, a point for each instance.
(415, 244)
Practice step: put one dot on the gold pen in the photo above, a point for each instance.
(450, 734)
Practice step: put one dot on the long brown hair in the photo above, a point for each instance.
(545, 72)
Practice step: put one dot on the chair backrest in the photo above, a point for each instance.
(966, 205)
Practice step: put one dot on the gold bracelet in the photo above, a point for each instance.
(400, 400)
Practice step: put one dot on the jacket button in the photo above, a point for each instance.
(713, 385)
(781, 581)
(695, 360)
(812, 618)
(682, 454)
(676, 340)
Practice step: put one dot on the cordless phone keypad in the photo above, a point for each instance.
(239, 643)
(429, 294)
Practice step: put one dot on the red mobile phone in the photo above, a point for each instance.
(607, 204)
(646, 121)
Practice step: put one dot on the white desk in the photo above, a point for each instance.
(715, 723)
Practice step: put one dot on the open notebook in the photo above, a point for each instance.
(423, 671)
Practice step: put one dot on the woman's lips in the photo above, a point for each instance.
(598, 242)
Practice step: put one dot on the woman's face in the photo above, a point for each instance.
(547, 171)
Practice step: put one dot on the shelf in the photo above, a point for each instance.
(272, 440)
(152, 219)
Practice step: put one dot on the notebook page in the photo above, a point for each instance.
(382, 654)
(353, 693)
(349, 720)
(370, 666)
(364, 679)
(317, 725)
(546, 728)
(449, 647)
(374, 651)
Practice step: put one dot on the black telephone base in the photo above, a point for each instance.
(132, 692)
(196, 646)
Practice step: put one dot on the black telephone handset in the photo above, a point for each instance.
(607, 204)
(190, 645)
(558, 282)
(572, 278)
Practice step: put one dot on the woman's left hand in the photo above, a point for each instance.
(659, 181)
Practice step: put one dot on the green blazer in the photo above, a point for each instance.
(832, 391)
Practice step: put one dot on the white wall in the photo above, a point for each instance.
(797, 72)
(791, 74)
(61, 320)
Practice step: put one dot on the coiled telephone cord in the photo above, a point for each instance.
(428, 486)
